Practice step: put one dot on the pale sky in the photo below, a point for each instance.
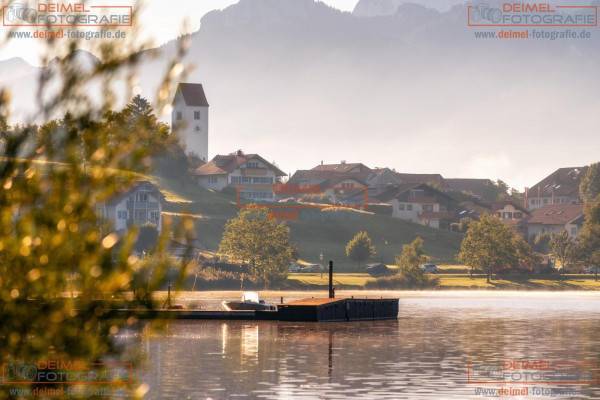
(162, 21)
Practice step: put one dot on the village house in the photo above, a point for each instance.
(509, 211)
(336, 185)
(420, 203)
(560, 187)
(250, 174)
(555, 218)
(140, 205)
(512, 215)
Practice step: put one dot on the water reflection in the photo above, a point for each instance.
(423, 355)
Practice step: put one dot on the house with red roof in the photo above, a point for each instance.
(250, 174)
(555, 218)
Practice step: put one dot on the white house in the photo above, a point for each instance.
(250, 174)
(189, 118)
(421, 204)
(140, 205)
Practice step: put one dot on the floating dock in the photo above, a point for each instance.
(307, 310)
(345, 309)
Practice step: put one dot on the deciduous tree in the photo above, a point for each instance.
(489, 245)
(360, 248)
(589, 187)
(563, 249)
(256, 238)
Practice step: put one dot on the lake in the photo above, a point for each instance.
(444, 345)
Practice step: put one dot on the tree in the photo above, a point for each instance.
(589, 237)
(412, 255)
(147, 238)
(501, 189)
(256, 238)
(563, 249)
(410, 260)
(541, 243)
(489, 245)
(52, 240)
(360, 248)
(139, 107)
(589, 187)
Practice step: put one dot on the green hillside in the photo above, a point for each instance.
(314, 232)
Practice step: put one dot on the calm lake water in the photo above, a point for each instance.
(438, 339)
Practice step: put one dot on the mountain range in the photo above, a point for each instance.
(390, 84)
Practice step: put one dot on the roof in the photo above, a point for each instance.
(556, 214)
(383, 177)
(430, 179)
(343, 167)
(193, 94)
(499, 205)
(225, 164)
(138, 185)
(324, 177)
(562, 182)
(402, 192)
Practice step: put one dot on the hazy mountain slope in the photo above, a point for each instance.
(301, 82)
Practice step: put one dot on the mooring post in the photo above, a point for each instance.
(331, 292)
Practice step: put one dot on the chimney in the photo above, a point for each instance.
(321, 162)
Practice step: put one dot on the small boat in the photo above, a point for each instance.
(249, 302)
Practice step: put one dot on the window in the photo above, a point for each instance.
(154, 216)
(545, 201)
(122, 214)
(409, 207)
(212, 179)
(142, 197)
(347, 185)
(518, 215)
(401, 206)
(198, 129)
(428, 207)
(179, 116)
(252, 164)
(574, 231)
(507, 215)
(197, 115)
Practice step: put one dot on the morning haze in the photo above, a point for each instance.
(414, 90)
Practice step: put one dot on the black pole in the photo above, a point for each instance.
(331, 293)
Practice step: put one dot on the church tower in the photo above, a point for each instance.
(189, 119)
